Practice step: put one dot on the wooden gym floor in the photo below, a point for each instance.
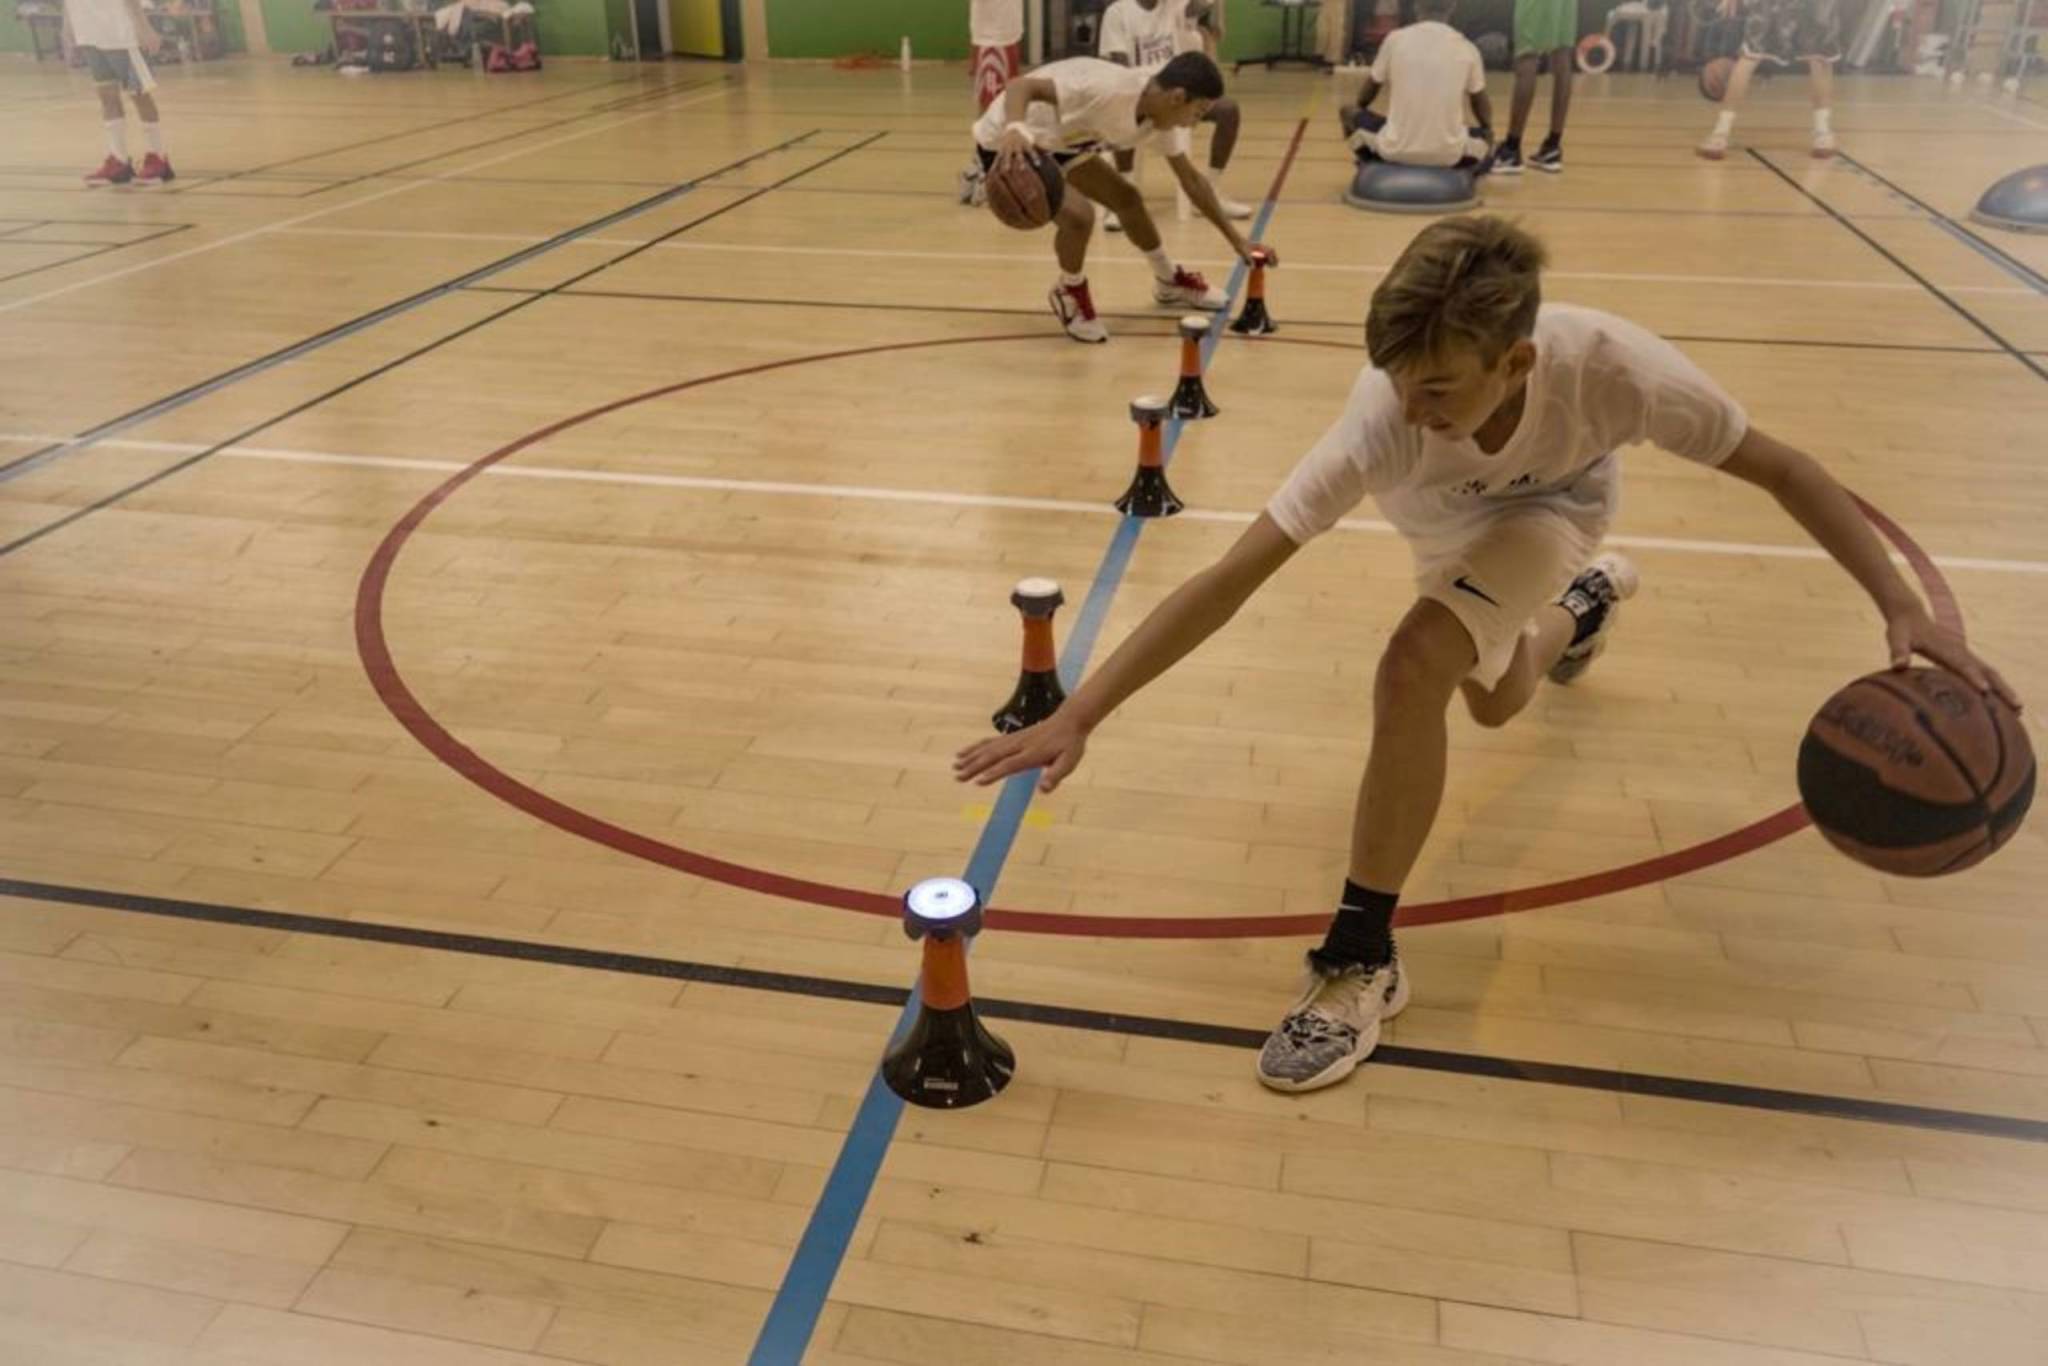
(1769, 1109)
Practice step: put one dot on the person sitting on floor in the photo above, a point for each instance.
(1428, 70)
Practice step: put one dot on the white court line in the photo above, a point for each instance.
(407, 188)
(730, 248)
(942, 498)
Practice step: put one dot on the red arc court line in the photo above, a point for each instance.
(375, 651)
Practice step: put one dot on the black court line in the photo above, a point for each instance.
(2021, 356)
(189, 461)
(415, 132)
(1984, 246)
(1612, 1080)
(103, 248)
(193, 392)
(1348, 324)
(615, 107)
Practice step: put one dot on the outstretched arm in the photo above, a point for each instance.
(1203, 195)
(1189, 615)
(1815, 501)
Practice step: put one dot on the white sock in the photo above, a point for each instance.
(1072, 280)
(153, 134)
(1162, 264)
(117, 138)
(1820, 121)
(1723, 122)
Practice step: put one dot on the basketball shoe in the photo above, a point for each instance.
(1187, 289)
(1594, 600)
(1334, 1025)
(1074, 308)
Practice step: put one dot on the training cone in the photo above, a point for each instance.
(1038, 693)
(1190, 399)
(947, 1059)
(1253, 320)
(1149, 494)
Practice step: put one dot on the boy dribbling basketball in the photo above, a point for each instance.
(1075, 109)
(1488, 429)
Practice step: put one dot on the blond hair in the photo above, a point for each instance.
(1470, 281)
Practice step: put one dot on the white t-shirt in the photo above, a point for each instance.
(1430, 68)
(104, 24)
(995, 23)
(1147, 38)
(1600, 383)
(1098, 108)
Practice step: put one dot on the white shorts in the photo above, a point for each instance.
(1510, 564)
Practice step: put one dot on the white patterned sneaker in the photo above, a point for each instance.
(1594, 600)
(1333, 1027)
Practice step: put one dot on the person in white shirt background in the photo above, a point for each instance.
(113, 36)
(1147, 34)
(1073, 110)
(1428, 70)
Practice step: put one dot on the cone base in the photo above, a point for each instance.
(1255, 321)
(1038, 696)
(1149, 495)
(948, 1061)
(1191, 401)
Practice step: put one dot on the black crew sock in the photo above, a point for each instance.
(1361, 934)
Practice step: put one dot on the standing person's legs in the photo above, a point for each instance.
(1127, 167)
(1561, 69)
(1716, 145)
(1822, 70)
(1507, 158)
(1484, 622)
(107, 74)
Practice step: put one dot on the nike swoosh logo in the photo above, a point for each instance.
(1462, 582)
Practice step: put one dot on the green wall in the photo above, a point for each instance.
(13, 33)
(293, 26)
(938, 28)
(572, 28)
(835, 28)
(568, 28)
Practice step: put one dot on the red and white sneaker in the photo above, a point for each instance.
(1824, 144)
(112, 171)
(155, 171)
(1074, 308)
(1187, 289)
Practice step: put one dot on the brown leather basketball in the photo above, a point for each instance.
(1714, 78)
(1915, 772)
(1027, 194)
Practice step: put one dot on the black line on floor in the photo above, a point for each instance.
(2012, 264)
(103, 249)
(187, 462)
(1166, 315)
(192, 392)
(2021, 356)
(1610, 1080)
(417, 132)
(615, 107)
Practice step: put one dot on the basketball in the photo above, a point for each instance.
(1714, 78)
(1915, 772)
(1027, 194)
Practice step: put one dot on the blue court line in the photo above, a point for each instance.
(792, 1318)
